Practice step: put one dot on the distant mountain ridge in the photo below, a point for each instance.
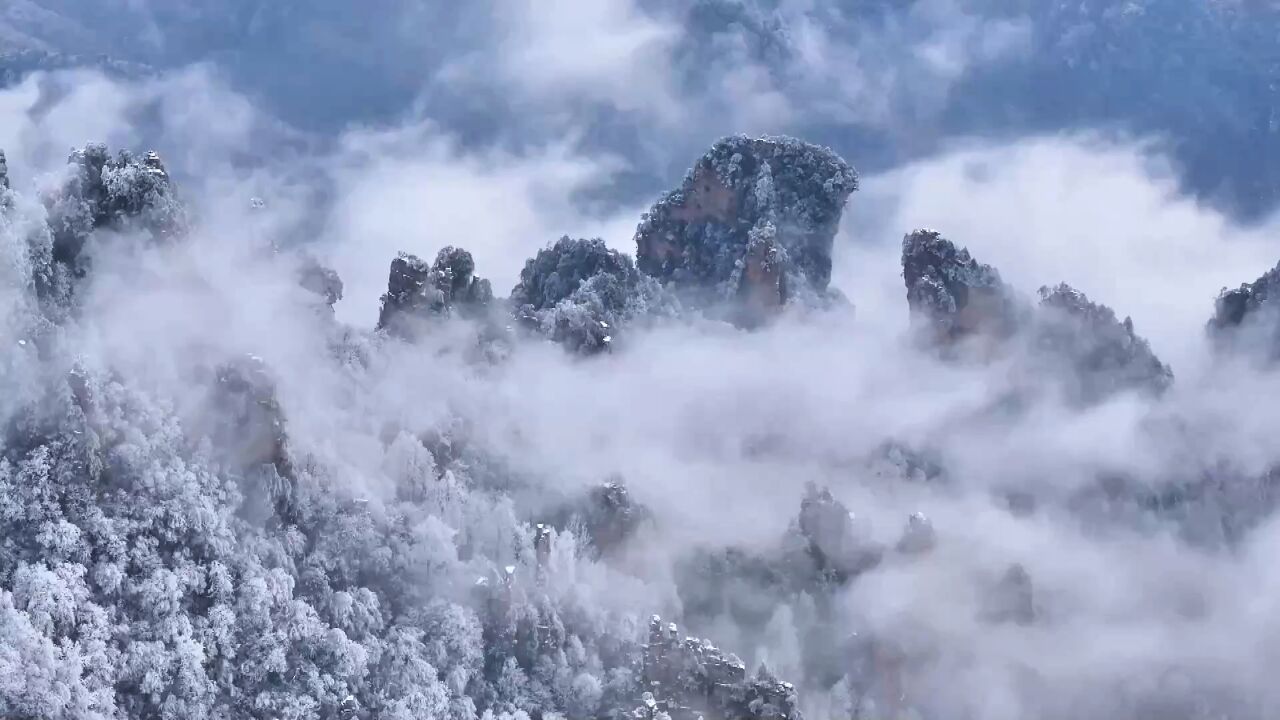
(1203, 76)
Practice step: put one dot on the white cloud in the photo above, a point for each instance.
(553, 55)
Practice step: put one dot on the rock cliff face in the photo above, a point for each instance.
(823, 553)
(607, 517)
(961, 307)
(581, 294)
(1086, 353)
(100, 194)
(832, 542)
(1100, 353)
(1246, 320)
(124, 192)
(418, 292)
(248, 435)
(952, 297)
(322, 281)
(750, 229)
(689, 678)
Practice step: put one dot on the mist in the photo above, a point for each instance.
(460, 444)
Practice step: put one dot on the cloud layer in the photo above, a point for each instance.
(684, 412)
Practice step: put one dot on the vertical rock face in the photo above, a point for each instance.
(252, 431)
(607, 515)
(418, 292)
(899, 461)
(247, 430)
(1073, 342)
(559, 270)
(691, 678)
(579, 293)
(1246, 320)
(752, 225)
(952, 296)
(1102, 354)
(411, 293)
(833, 544)
(122, 193)
(322, 281)
(455, 272)
(613, 515)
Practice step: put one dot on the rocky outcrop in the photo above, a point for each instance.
(742, 586)
(962, 307)
(37, 271)
(1246, 320)
(417, 292)
(580, 293)
(689, 678)
(665, 676)
(954, 298)
(1213, 506)
(124, 193)
(751, 228)
(606, 517)
(832, 541)
(1100, 354)
(251, 427)
(411, 293)
(455, 270)
(822, 553)
(824, 549)
(320, 280)
(247, 432)
(895, 461)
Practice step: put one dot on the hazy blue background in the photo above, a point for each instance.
(654, 81)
